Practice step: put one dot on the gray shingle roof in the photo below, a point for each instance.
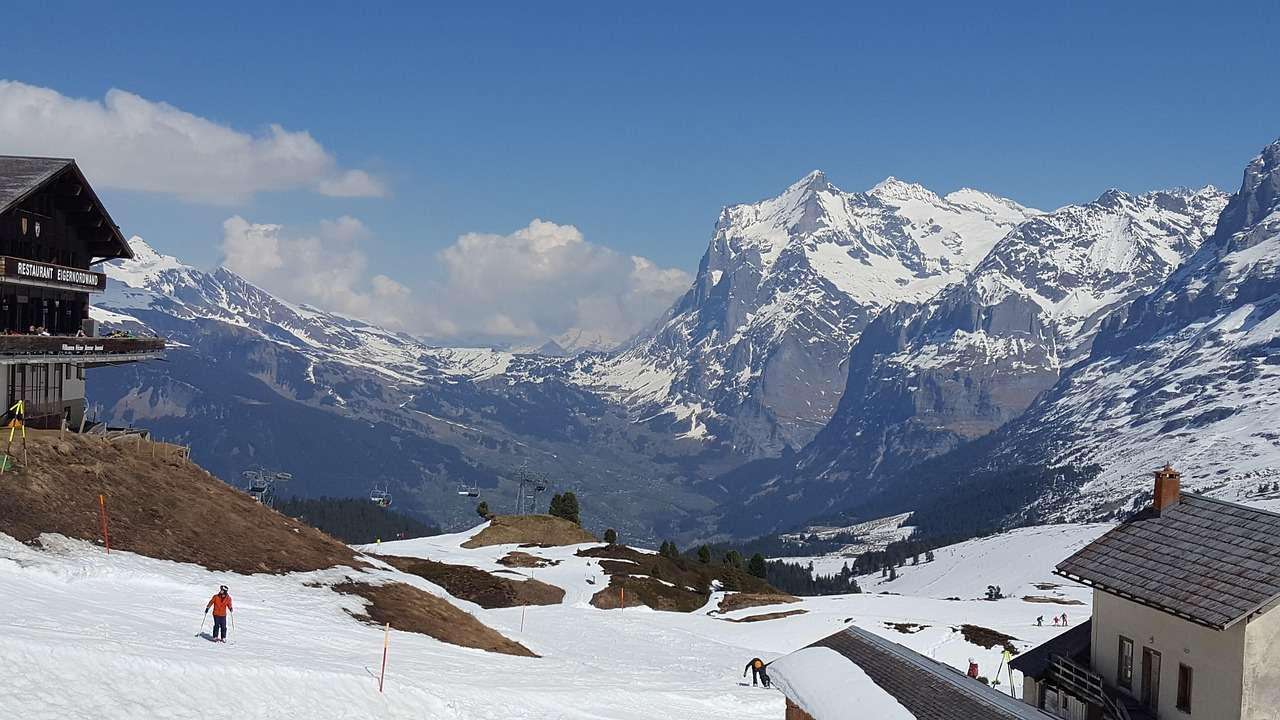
(927, 688)
(20, 176)
(1208, 561)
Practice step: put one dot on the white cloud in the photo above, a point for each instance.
(540, 282)
(326, 268)
(129, 142)
(545, 280)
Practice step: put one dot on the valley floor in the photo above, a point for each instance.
(84, 634)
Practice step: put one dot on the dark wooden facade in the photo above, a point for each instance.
(53, 230)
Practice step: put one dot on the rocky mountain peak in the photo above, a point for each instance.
(1259, 194)
(891, 190)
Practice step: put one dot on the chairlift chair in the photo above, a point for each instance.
(468, 490)
(380, 497)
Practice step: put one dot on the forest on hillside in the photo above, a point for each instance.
(355, 520)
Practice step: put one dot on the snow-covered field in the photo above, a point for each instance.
(83, 634)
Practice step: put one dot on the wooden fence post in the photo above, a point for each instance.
(386, 640)
(102, 520)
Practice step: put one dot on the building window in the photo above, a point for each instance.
(1124, 668)
(1184, 688)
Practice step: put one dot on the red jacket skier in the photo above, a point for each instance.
(221, 604)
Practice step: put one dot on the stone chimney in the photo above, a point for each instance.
(1168, 488)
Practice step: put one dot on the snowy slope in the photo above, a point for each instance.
(85, 634)
(753, 354)
(1018, 561)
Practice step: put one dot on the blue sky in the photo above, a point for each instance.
(636, 123)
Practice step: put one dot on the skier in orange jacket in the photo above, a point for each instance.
(221, 604)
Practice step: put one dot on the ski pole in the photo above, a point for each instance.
(206, 617)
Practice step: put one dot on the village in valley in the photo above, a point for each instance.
(887, 455)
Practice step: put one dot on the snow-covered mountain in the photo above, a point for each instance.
(753, 355)
(1190, 375)
(253, 379)
(926, 377)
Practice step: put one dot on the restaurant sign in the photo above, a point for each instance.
(57, 275)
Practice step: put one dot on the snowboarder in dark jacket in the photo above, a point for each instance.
(758, 672)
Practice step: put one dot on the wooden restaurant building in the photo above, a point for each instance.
(53, 231)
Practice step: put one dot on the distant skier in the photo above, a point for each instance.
(1064, 619)
(973, 669)
(1040, 621)
(221, 604)
(758, 672)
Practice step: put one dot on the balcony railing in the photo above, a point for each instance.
(1089, 686)
(45, 348)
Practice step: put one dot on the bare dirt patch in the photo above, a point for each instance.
(988, 638)
(515, 558)
(532, 530)
(629, 591)
(663, 583)
(740, 600)
(484, 589)
(409, 609)
(1048, 599)
(767, 616)
(159, 504)
(906, 628)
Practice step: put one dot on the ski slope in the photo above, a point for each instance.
(1017, 561)
(84, 634)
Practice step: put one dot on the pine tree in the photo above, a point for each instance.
(915, 559)
(928, 556)
(571, 514)
(565, 506)
(893, 574)
(611, 536)
(756, 566)
(483, 510)
(733, 559)
(704, 555)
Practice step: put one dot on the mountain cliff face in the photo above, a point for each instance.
(926, 377)
(753, 356)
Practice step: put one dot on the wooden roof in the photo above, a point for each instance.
(925, 687)
(1208, 561)
(22, 176)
